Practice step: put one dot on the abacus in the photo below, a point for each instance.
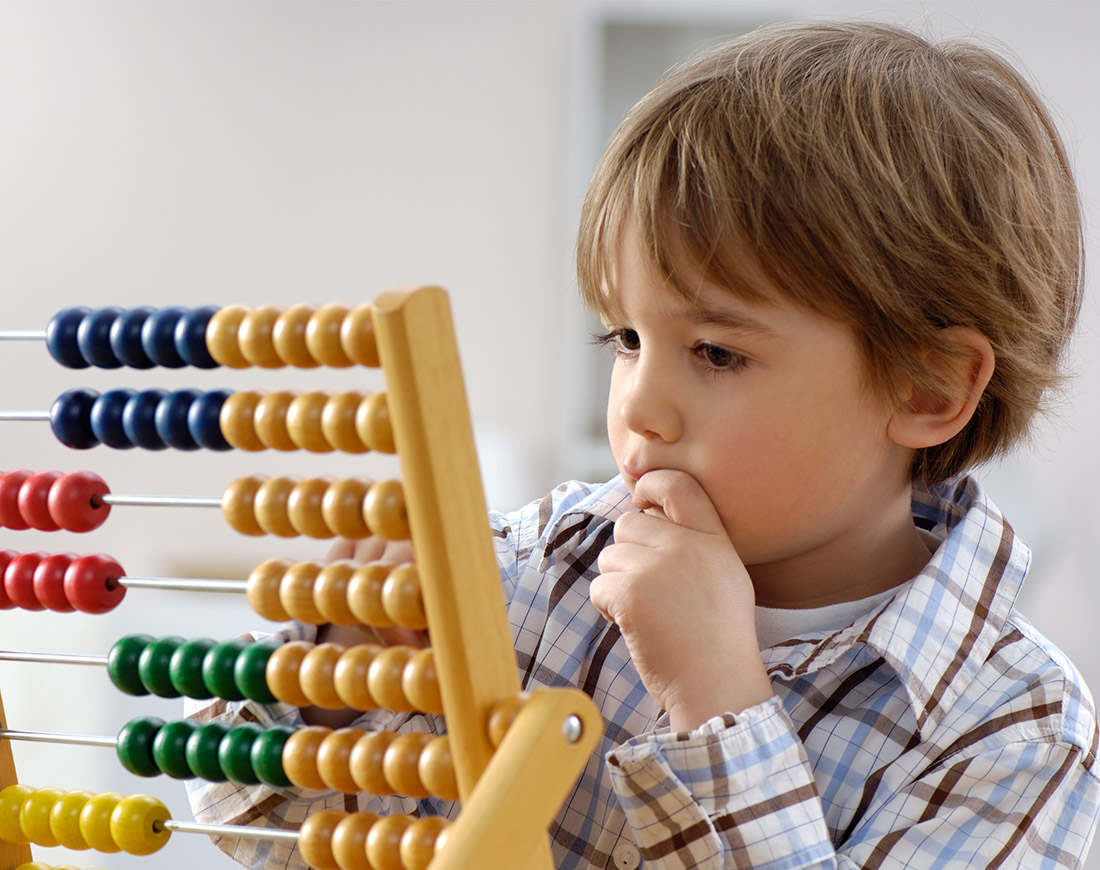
(509, 758)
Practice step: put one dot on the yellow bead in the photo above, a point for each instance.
(296, 592)
(419, 842)
(384, 509)
(65, 819)
(317, 675)
(384, 842)
(304, 507)
(239, 504)
(366, 762)
(384, 678)
(342, 508)
(289, 336)
(330, 592)
(436, 768)
(270, 505)
(264, 589)
(503, 715)
(349, 841)
(303, 421)
(12, 799)
(338, 422)
(300, 757)
(270, 420)
(282, 670)
(351, 673)
(401, 762)
(401, 597)
(135, 824)
(372, 423)
(221, 337)
(420, 682)
(323, 336)
(357, 336)
(95, 821)
(34, 816)
(334, 759)
(238, 420)
(365, 594)
(315, 838)
(255, 337)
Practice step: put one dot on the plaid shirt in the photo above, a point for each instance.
(939, 730)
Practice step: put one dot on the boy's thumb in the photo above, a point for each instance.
(679, 497)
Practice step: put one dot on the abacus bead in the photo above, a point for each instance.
(93, 337)
(303, 421)
(269, 419)
(71, 418)
(19, 581)
(61, 337)
(349, 841)
(289, 336)
(282, 672)
(350, 676)
(154, 665)
(238, 420)
(263, 589)
(316, 675)
(12, 798)
(34, 816)
(267, 756)
(10, 484)
(365, 594)
(106, 419)
(91, 583)
(315, 838)
(250, 671)
(201, 751)
(65, 819)
(6, 557)
(170, 748)
(239, 504)
(304, 507)
(158, 336)
(300, 757)
(49, 582)
(217, 669)
(384, 842)
(134, 824)
(221, 337)
(342, 508)
(366, 762)
(204, 419)
(503, 715)
(372, 423)
(420, 682)
(437, 769)
(139, 419)
(420, 841)
(338, 422)
(271, 506)
(170, 419)
(384, 677)
(135, 745)
(296, 592)
(399, 765)
(384, 508)
(330, 593)
(122, 664)
(125, 338)
(235, 753)
(333, 759)
(74, 501)
(357, 336)
(255, 337)
(401, 597)
(190, 337)
(323, 336)
(33, 500)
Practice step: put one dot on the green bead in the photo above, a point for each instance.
(185, 668)
(122, 663)
(170, 748)
(153, 666)
(235, 753)
(250, 671)
(134, 745)
(202, 750)
(267, 756)
(217, 669)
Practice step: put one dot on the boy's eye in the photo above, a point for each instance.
(620, 340)
(718, 357)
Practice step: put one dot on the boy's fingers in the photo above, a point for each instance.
(679, 498)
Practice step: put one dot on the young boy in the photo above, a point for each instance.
(837, 267)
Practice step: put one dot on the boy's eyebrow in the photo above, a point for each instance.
(728, 320)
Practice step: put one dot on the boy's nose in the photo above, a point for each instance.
(648, 405)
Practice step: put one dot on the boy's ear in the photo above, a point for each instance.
(924, 418)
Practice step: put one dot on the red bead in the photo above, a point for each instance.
(32, 500)
(10, 517)
(19, 581)
(49, 582)
(6, 557)
(88, 583)
(74, 501)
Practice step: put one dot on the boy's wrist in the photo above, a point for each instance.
(706, 699)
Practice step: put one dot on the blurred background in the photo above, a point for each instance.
(187, 153)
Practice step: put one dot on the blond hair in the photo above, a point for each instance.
(897, 186)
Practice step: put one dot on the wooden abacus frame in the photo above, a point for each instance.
(509, 792)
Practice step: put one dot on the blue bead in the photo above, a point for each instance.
(204, 420)
(158, 337)
(70, 418)
(190, 337)
(61, 337)
(170, 419)
(93, 337)
(106, 418)
(125, 338)
(138, 422)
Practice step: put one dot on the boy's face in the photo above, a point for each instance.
(767, 407)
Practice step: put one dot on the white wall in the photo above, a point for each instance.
(192, 153)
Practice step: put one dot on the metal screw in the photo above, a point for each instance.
(572, 728)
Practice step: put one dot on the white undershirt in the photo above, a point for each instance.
(774, 624)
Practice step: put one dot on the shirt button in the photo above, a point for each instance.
(626, 856)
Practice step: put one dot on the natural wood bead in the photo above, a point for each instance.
(282, 672)
(315, 838)
(300, 757)
(264, 589)
(503, 715)
(349, 841)
(289, 336)
(420, 682)
(401, 761)
(372, 423)
(304, 507)
(384, 677)
(357, 336)
(384, 509)
(237, 419)
(239, 504)
(401, 598)
(296, 592)
(316, 675)
(330, 592)
(323, 336)
(384, 842)
(254, 336)
(270, 420)
(366, 762)
(342, 508)
(221, 337)
(351, 674)
(365, 594)
(270, 505)
(338, 422)
(436, 768)
(303, 421)
(334, 759)
(419, 842)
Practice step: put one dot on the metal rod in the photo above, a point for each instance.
(184, 584)
(24, 415)
(158, 500)
(22, 335)
(243, 831)
(51, 658)
(54, 737)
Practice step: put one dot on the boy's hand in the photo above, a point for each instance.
(682, 598)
